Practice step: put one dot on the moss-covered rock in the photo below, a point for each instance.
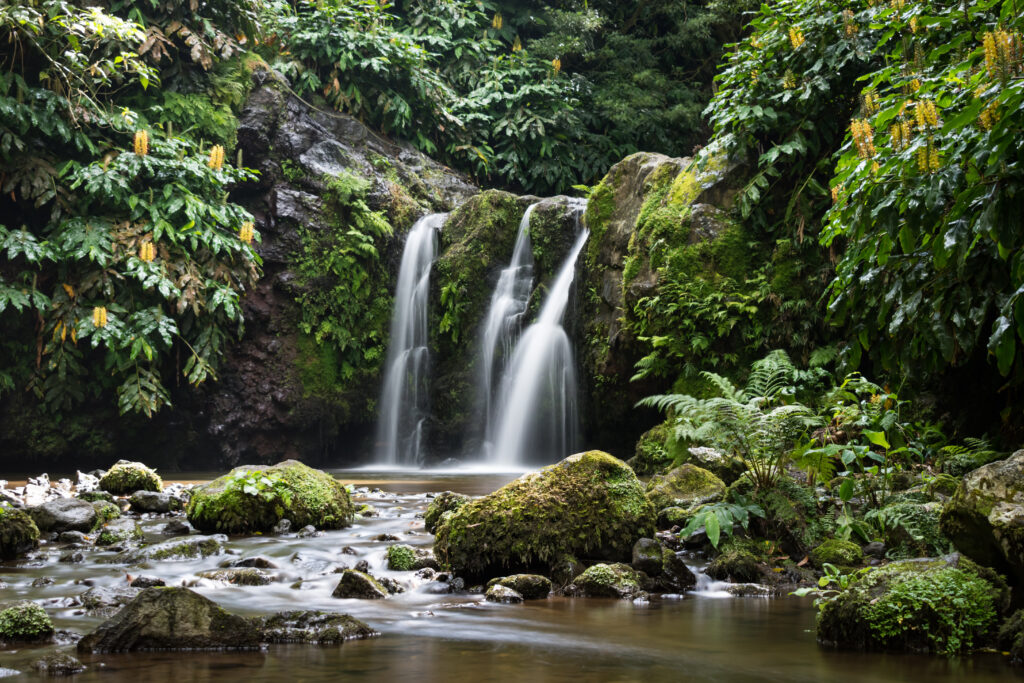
(529, 586)
(838, 552)
(685, 486)
(176, 550)
(652, 454)
(443, 503)
(58, 664)
(239, 576)
(913, 606)
(358, 585)
(503, 594)
(256, 497)
(127, 477)
(647, 556)
(735, 564)
(607, 581)
(25, 621)
(590, 504)
(985, 517)
(312, 627)
(401, 558)
(1011, 637)
(96, 496)
(913, 530)
(18, 533)
(171, 618)
(118, 531)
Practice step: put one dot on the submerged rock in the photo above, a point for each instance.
(154, 501)
(312, 627)
(64, 514)
(985, 517)
(607, 581)
(240, 576)
(171, 619)
(147, 582)
(257, 561)
(18, 533)
(118, 531)
(187, 548)
(528, 586)
(590, 504)
(685, 486)
(442, 504)
(359, 585)
(257, 497)
(127, 477)
(58, 664)
(25, 622)
(502, 594)
(105, 600)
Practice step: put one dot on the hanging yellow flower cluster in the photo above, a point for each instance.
(755, 42)
(869, 103)
(788, 80)
(99, 316)
(989, 116)
(863, 138)
(556, 64)
(913, 24)
(216, 157)
(497, 22)
(835, 194)
(925, 114)
(900, 134)
(147, 252)
(245, 233)
(850, 27)
(141, 143)
(1002, 53)
(915, 85)
(796, 37)
(928, 159)
(517, 45)
(898, 4)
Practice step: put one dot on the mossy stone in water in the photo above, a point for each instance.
(358, 585)
(445, 502)
(313, 628)
(401, 558)
(25, 621)
(607, 581)
(735, 565)
(838, 552)
(913, 606)
(128, 477)
(18, 533)
(256, 497)
(239, 576)
(530, 586)
(589, 505)
(685, 486)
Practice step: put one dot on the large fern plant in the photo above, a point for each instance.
(760, 423)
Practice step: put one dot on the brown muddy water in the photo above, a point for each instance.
(428, 636)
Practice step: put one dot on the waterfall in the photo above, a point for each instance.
(403, 403)
(508, 304)
(537, 409)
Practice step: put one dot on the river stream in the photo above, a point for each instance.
(430, 636)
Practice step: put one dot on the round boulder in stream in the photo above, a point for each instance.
(64, 514)
(359, 585)
(589, 505)
(171, 619)
(256, 497)
(18, 533)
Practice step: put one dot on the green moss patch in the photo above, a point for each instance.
(128, 477)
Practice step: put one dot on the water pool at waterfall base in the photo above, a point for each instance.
(427, 635)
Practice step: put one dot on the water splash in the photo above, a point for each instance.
(508, 305)
(538, 407)
(403, 403)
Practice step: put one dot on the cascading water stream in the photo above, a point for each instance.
(538, 411)
(403, 403)
(508, 304)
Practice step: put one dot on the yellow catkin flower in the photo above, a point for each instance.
(933, 159)
(913, 24)
(216, 157)
(875, 167)
(835, 194)
(517, 45)
(922, 160)
(863, 138)
(141, 143)
(849, 25)
(1002, 53)
(99, 316)
(147, 252)
(556, 64)
(245, 233)
(897, 4)
(788, 80)
(900, 135)
(915, 85)
(796, 37)
(869, 103)
(989, 116)
(925, 114)
(497, 22)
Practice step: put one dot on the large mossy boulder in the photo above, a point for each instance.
(685, 486)
(24, 622)
(590, 505)
(614, 580)
(256, 497)
(652, 455)
(943, 606)
(837, 552)
(985, 517)
(127, 477)
(18, 533)
(443, 503)
(64, 514)
(735, 564)
(171, 619)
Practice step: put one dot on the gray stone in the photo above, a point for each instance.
(313, 628)
(647, 556)
(105, 600)
(153, 501)
(359, 585)
(528, 586)
(64, 514)
(58, 664)
(502, 594)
